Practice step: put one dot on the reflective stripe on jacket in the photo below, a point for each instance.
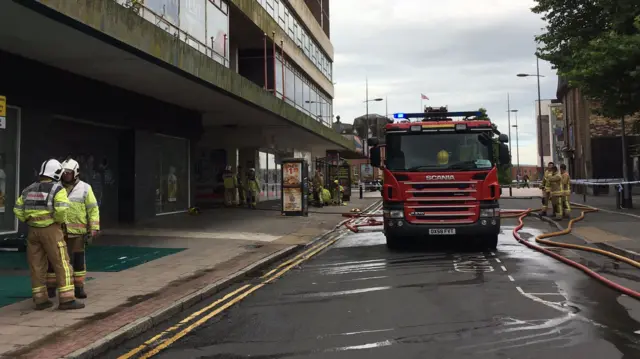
(42, 204)
(84, 214)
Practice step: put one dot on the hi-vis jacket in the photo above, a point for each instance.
(545, 177)
(42, 204)
(554, 184)
(230, 180)
(84, 214)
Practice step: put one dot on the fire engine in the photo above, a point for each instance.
(441, 176)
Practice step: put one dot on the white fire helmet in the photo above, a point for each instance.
(51, 168)
(71, 165)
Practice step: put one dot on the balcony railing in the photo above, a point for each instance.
(159, 20)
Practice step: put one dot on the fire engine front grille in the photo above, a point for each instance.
(441, 202)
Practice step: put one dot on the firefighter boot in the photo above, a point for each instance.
(74, 304)
(45, 305)
(80, 293)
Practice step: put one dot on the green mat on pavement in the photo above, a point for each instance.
(99, 258)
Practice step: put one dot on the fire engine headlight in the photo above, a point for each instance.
(416, 128)
(488, 213)
(461, 127)
(393, 213)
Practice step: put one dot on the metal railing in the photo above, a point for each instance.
(160, 21)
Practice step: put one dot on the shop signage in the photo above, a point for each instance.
(3, 112)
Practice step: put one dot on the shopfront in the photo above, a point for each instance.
(9, 164)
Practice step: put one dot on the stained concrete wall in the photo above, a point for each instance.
(123, 25)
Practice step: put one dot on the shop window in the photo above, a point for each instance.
(172, 174)
(9, 135)
(279, 83)
(272, 177)
(299, 99)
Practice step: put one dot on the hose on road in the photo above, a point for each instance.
(541, 239)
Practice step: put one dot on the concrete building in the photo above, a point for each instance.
(552, 130)
(593, 147)
(144, 93)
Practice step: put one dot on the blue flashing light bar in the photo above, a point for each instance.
(402, 115)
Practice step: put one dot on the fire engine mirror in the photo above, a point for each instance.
(503, 138)
(505, 157)
(375, 157)
(373, 141)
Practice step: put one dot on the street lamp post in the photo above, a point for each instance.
(366, 101)
(540, 149)
(517, 149)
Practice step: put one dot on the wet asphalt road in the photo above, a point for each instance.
(359, 300)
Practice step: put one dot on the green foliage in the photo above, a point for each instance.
(595, 45)
(484, 115)
(504, 175)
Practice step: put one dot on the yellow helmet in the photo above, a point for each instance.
(443, 157)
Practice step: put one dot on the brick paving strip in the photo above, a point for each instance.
(123, 305)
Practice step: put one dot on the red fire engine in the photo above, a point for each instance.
(440, 176)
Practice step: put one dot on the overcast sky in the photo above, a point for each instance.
(460, 53)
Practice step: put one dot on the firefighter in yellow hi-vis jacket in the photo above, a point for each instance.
(554, 188)
(43, 206)
(230, 182)
(546, 196)
(566, 190)
(253, 188)
(443, 157)
(83, 221)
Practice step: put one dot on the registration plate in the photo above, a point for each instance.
(442, 231)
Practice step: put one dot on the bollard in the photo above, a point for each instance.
(361, 192)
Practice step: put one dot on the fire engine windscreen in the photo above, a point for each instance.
(438, 151)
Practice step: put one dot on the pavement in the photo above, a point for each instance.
(220, 246)
(357, 299)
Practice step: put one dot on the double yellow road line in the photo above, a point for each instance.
(170, 335)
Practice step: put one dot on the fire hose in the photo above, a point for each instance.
(542, 239)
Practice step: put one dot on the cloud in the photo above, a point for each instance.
(460, 53)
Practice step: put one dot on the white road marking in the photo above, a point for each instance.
(511, 278)
(498, 260)
(503, 268)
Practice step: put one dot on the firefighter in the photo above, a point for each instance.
(242, 198)
(566, 190)
(253, 188)
(337, 193)
(43, 206)
(83, 223)
(230, 185)
(554, 188)
(443, 157)
(546, 197)
(318, 184)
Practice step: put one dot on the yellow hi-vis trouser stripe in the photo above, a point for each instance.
(68, 272)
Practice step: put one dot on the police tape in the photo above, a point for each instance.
(602, 182)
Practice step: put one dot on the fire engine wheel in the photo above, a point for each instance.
(394, 242)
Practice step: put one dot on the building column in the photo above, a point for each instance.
(232, 158)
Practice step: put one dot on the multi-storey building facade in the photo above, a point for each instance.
(146, 93)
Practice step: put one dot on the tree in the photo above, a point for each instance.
(595, 45)
(484, 115)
